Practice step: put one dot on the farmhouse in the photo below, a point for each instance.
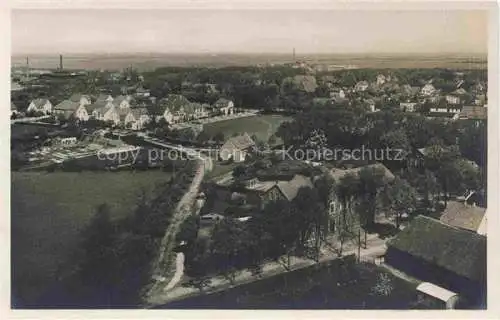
(236, 148)
(40, 105)
(68, 108)
(447, 256)
(258, 192)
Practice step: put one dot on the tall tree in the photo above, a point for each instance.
(397, 198)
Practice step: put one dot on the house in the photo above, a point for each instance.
(427, 90)
(68, 108)
(236, 148)
(474, 113)
(174, 106)
(381, 79)
(408, 106)
(104, 98)
(81, 99)
(361, 86)
(122, 102)
(224, 106)
(259, 193)
(337, 93)
(95, 109)
(463, 215)
(435, 252)
(107, 112)
(452, 99)
(40, 105)
(136, 118)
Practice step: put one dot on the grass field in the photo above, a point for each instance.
(263, 126)
(48, 210)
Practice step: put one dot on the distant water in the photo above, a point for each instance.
(152, 61)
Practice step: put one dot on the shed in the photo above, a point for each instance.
(449, 298)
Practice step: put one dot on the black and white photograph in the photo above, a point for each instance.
(236, 159)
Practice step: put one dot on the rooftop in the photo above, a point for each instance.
(457, 250)
(463, 215)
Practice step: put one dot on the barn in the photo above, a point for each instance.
(435, 252)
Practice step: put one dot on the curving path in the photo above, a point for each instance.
(182, 211)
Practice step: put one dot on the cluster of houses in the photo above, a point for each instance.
(458, 104)
(122, 111)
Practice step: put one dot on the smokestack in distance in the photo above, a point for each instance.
(60, 62)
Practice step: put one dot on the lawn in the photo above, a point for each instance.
(263, 126)
(48, 210)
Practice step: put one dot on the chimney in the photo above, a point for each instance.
(294, 55)
(60, 62)
(27, 67)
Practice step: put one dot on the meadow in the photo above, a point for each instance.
(48, 212)
(263, 126)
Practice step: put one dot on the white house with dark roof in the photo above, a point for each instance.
(40, 105)
(68, 108)
(225, 106)
(236, 148)
(136, 118)
(106, 112)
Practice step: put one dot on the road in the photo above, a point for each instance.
(375, 247)
(183, 210)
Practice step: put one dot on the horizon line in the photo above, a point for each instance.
(209, 53)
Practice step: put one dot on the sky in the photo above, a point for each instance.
(248, 31)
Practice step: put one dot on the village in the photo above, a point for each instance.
(254, 206)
